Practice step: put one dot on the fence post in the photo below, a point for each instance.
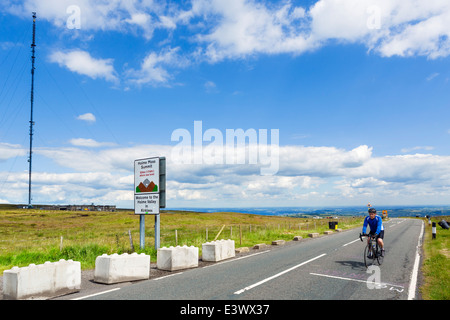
(219, 233)
(240, 235)
(176, 237)
(433, 230)
(131, 240)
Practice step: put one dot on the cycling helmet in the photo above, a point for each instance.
(372, 210)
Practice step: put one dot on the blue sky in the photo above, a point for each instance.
(358, 91)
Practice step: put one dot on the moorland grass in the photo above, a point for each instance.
(35, 236)
(436, 265)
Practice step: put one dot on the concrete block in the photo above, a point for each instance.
(313, 235)
(328, 232)
(42, 281)
(278, 242)
(298, 238)
(338, 230)
(176, 258)
(260, 246)
(218, 250)
(242, 249)
(119, 268)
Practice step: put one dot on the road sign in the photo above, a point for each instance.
(149, 193)
(146, 186)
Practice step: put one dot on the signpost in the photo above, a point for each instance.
(149, 192)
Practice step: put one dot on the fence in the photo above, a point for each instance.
(127, 240)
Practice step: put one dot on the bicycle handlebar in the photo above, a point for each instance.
(366, 235)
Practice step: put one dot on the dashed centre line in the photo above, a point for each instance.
(277, 275)
(96, 294)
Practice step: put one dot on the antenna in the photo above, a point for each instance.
(33, 45)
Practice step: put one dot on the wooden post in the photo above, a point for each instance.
(219, 233)
(240, 235)
(131, 240)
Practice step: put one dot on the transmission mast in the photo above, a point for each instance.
(33, 45)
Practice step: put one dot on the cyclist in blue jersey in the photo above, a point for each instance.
(376, 227)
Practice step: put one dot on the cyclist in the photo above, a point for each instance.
(376, 227)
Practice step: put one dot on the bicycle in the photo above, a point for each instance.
(372, 251)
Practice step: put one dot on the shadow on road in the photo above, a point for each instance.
(355, 265)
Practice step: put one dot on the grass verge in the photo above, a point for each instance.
(436, 265)
(36, 236)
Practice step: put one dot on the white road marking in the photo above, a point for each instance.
(413, 283)
(170, 275)
(356, 280)
(335, 277)
(277, 275)
(351, 242)
(231, 260)
(96, 294)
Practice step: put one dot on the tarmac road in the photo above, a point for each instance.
(330, 267)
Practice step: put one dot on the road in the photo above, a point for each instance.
(330, 267)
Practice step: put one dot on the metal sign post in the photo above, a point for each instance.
(149, 192)
(142, 230)
(162, 199)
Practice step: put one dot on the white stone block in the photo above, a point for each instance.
(176, 258)
(119, 268)
(218, 250)
(42, 281)
(278, 242)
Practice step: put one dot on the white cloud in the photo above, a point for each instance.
(432, 76)
(241, 28)
(426, 148)
(211, 87)
(139, 18)
(321, 161)
(81, 62)
(93, 15)
(88, 117)
(8, 151)
(81, 142)
(307, 176)
(425, 31)
(405, 28)
(235, 29)
(154, 67)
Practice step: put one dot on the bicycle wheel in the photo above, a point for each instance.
(378, 255)
(367, 261)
